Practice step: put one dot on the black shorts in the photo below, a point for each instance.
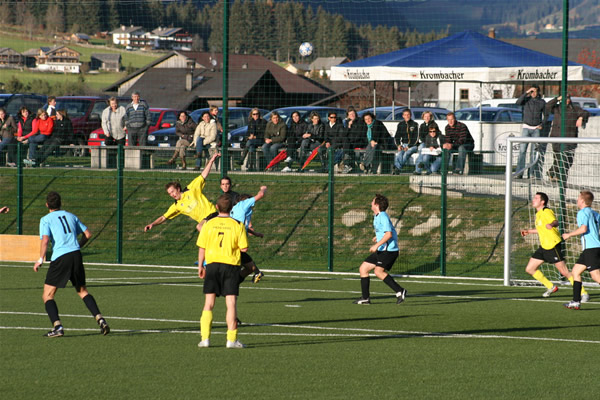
(552, 256)
(246, 258)
(383, 259)
(68, 267)
(590, 258)
(222, 279)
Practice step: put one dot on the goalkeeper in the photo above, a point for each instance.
(588, 222)
(551, 248)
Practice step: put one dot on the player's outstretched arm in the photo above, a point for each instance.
(209, 165)
(158, 221)
(4, 210)
(43, 249)
(261, 193)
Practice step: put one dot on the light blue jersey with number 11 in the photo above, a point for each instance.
(590, 218)
(62, 228)
(383, 224)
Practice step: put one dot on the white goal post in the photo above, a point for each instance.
(584, 175)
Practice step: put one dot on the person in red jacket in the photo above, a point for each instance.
(41, 129)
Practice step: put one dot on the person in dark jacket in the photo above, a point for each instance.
(428, 120)
(8, 129)
(312, 138)
(458, 139)
(61, 134)
(255, 138)
(335, 138)
(576, 117)
(137, 120)
(377, 136)
(357, 134)
(534, 109)
(431, 153)
(406, 139)
(294, 136)
(184, 129)
(275, 137)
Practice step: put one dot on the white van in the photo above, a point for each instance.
(583, 102)
(510, 103)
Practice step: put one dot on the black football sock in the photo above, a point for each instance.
(52, 310)
(577, 291)
(392, 284)
(364, 287)
(90, 303)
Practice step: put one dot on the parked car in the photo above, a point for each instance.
(439, 114)
(12, 103)
(237, 116)
(236, 136)
(162, 118)
(84, 113)
(490, 114)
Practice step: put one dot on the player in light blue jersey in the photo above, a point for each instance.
(242, 212)
(588, 222)
(383, 253)
(62, 228)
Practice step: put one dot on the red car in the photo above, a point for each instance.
(161, 118)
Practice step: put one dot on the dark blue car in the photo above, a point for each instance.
(238, 116)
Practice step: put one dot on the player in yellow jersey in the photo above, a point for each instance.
(551, 248)
(221, 242)
(189, 201)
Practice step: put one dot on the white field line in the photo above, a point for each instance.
(338, 332)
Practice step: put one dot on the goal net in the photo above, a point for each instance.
(561, 168)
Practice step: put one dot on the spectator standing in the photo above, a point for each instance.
(137, 120)
(205, 135)
(406, 139)
(312, 138)
(294, 137)
(534, 109)
(185, 127)
(113, 123)
(275, 137)
(42, 127)
(255, 138)
(575, 118)
(51, 109)
(458, 139)
(62, 134)
(8, 129)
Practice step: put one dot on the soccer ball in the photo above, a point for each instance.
(306, 49)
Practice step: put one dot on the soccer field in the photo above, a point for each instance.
(451, 339)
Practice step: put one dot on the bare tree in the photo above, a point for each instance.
(55, 19)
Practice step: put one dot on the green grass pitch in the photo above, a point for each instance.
(451, 339)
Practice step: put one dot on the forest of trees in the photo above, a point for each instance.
(272, 29)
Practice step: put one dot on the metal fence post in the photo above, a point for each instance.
(120, 167)
(330, 210)
(443, 212)
(19, 188)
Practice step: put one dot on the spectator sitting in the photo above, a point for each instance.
(275, 135)
(205, 136)
(377, 136)
(294, 137)
(42, 127)
(62, 134)
(185, 127)
(356, 134)
(431, 153)
(255, 138)
(312, 138)
(458, 139)
(406, 139)
(335, 137)
(8, 129)
(428, 120)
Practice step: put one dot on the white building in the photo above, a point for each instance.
(122, 35)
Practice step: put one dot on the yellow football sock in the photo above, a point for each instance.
(539, 276)
(205, 324)
(583, 291)
(231, 335)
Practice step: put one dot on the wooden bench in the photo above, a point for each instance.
(19, 248)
